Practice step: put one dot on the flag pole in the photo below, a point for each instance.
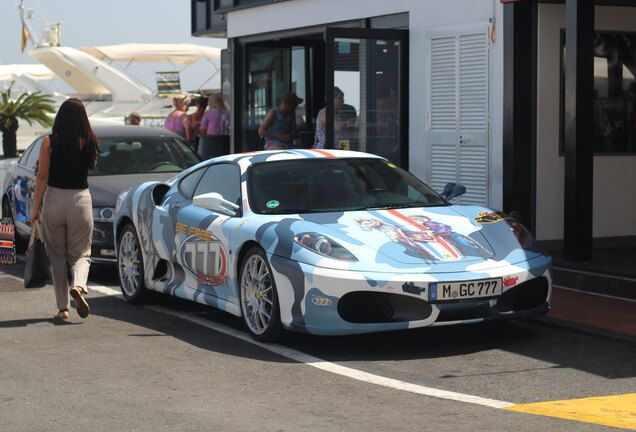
(30, 34)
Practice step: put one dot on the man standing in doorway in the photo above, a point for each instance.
(279, 125)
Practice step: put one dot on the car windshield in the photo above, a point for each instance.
(140, 155)
(327, 185)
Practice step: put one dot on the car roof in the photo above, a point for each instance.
(128, 131)
(116, 131)
(278, 155)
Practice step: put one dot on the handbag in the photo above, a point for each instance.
(7, 241)
(36, 271)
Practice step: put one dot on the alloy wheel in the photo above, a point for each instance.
(129, 264)
(257, 294)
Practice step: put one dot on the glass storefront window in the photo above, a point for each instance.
(271, 71)
(366, 80)
(614, 92)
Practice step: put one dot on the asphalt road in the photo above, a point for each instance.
(177, 366)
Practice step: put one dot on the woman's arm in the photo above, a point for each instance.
(185, 121)
(44, 163)
(203, 126)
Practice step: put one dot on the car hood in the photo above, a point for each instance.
(105, 189)
(445, 239)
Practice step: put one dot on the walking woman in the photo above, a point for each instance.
(63, 203)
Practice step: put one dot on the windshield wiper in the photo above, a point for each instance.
(380, 206)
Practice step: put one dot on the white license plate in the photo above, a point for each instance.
(457, 291)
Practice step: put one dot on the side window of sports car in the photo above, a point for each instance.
(224, 178)
(34, 154)
(189, 182)
(25, 156)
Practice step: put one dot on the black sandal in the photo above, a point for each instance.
(61, 311)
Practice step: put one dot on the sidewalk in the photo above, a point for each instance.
(608, 317)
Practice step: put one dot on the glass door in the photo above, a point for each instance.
(272, 68)
(366, 97)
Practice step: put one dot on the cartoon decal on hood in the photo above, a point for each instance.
(423, 236)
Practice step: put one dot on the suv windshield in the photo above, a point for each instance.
(143, 155)
(327, 185)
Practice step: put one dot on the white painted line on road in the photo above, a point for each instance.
(317, 362)
(105, 290)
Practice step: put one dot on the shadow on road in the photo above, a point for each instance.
(559, 347)
(26, 322)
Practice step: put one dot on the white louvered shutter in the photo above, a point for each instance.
(458, 121)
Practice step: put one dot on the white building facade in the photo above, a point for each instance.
(430, 83)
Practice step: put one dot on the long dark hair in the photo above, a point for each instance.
(71, 126)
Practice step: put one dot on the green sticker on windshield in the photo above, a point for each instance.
(272, 204)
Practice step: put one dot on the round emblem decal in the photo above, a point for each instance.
(272, 204)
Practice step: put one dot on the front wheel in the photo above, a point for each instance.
(130, 266)
(259, 298)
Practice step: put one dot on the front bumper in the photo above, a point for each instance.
(103, 246)
(324, 301)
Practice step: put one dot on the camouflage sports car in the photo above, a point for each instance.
(325, 242)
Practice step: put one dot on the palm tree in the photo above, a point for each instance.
(32, 107)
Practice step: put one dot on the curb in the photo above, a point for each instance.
(587, 329)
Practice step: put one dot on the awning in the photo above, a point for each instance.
(33, 71)
(138, 52)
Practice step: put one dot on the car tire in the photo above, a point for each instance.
(259, 297)
(21, 243)
(130, 266)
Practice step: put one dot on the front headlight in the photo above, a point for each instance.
(323, 245)
(103, 214)
(524, 237)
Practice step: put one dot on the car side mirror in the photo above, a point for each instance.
(453, 190)
(215, 202)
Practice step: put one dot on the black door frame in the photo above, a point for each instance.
(239, 74)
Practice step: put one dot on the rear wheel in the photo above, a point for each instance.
(130, 266)
(259, 298)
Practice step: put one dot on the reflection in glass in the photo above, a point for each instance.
(614, 92)
(366, 98)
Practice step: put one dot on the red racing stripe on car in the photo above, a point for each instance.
(444, 243)
(223, 263)
(322, 152)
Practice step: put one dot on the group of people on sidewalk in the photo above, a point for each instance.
(215, 120)
(278, 129)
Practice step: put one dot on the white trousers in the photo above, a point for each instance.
(67, 225)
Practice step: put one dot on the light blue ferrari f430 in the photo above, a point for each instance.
(328, 243)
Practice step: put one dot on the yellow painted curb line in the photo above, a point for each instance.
(616, 411)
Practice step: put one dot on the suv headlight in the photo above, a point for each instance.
(103, 214)
(323, 245)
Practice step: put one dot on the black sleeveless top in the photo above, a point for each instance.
(68, 170)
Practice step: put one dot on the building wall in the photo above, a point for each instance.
(424, 16)
(614, 176)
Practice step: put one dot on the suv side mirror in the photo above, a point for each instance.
(453, 190)
(215, 202)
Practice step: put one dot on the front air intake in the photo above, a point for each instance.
(374, 307)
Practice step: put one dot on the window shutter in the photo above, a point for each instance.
(458, 134)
